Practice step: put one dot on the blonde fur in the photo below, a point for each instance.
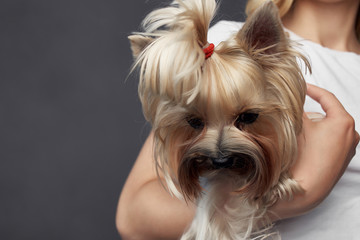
(254, 72)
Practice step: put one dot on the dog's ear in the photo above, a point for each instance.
(138, 43)
(263, 30)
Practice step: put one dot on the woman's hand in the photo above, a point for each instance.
(326, 147)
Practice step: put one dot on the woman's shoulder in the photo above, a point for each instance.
(312, 46)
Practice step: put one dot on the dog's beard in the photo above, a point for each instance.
(222, 166)
(243, 162)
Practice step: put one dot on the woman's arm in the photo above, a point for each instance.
(146, 210)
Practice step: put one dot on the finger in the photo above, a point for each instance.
(315, 116)
(308, 119)
(305, 118)
(329, 103)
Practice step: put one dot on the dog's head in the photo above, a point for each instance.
(232, 118)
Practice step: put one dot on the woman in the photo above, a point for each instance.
(147, 211)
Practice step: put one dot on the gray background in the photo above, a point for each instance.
(70, 125)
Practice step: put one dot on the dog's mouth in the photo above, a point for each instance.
(232, 166)
(237, 163)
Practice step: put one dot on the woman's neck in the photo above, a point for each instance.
(330, 23)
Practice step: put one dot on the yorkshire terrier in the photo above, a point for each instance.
(225, 118)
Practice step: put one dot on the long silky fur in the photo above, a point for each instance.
(176, 82)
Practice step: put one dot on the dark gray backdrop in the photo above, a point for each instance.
(70, 125)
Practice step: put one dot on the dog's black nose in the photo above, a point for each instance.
(223, 162)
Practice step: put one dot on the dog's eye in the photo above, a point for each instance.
(246, 118)
(196, 123)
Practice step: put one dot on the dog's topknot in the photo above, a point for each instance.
(169, 51)
(181, 18)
